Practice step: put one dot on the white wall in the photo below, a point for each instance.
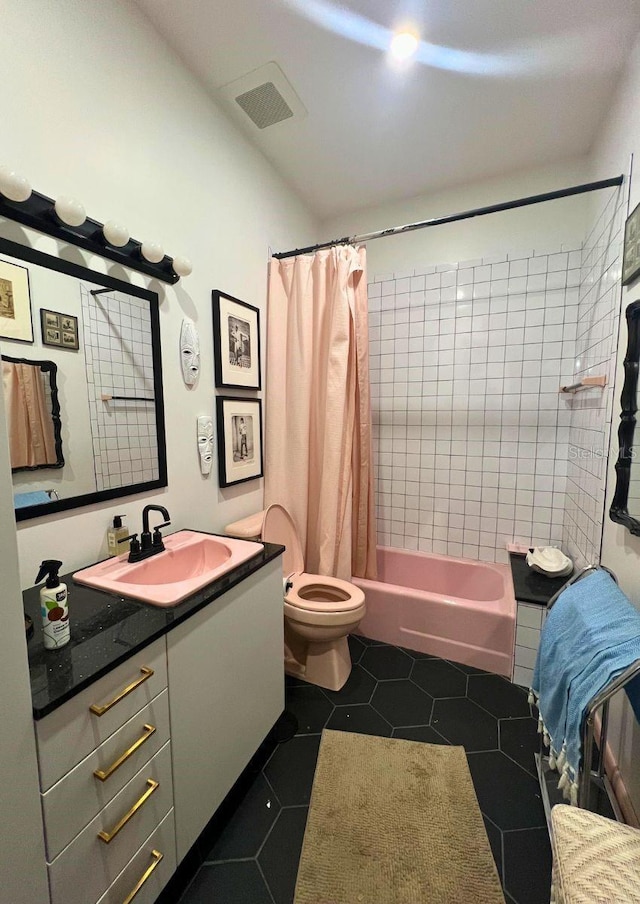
(619, 138)
(96, 105)
(23, 876)
(536, 228)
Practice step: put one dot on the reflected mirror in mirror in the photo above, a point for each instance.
(105, 404)
(625, 507)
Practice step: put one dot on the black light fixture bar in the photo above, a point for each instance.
(38, 212)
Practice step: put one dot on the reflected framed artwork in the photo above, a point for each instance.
(239, 423)
(631, 259)
(59, 329)
(236, 342)
(15, 303)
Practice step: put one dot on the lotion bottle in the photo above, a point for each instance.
(115, 535)
(53, 606)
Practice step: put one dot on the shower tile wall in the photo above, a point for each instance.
(592, 410)
(470, 432)
(119, 361)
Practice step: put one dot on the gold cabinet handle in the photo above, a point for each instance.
(108, 837)
(157, 857)
(101, 710)
(103, 774)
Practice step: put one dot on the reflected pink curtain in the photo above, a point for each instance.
(318, 450)
(31, 439)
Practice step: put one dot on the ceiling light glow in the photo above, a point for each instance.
(404, 45)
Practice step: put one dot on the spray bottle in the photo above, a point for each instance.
(53, 606)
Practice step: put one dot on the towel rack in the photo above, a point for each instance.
(585, 383)
(589, 777)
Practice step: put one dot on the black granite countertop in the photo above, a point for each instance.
(530, 586)
(107, 629)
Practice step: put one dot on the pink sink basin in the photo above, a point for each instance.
(190, 561)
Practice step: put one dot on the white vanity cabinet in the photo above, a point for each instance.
(107, 788)
(226, 690)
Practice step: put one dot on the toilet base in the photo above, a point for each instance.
(325, 664)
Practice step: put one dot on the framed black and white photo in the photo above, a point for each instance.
(15, 303)
(239, 439)
(236, 342)
(59, 329)
(631, 259)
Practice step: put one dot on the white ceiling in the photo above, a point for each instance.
(531, 86)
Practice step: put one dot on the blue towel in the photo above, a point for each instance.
(36, 497)
(591, 635)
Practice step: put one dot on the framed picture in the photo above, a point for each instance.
(59, 329)
(15, 303)
(236, 342)
(631, 259)
(239, 439)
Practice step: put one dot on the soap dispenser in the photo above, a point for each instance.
(53, 606)
(116, 535)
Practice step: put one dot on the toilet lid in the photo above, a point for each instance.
(278, 527)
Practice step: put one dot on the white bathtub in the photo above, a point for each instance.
(457, 609)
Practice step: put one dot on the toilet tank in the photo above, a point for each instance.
(249, 528)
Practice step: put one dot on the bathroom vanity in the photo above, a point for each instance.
(145, 721)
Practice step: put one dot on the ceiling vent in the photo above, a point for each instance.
(265, 96)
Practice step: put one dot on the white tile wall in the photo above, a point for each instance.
(592, 410)
(529, 621)
(470, 432)
(119, 361)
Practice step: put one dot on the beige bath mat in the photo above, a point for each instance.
(394, 822)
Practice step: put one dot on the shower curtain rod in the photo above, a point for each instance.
(455, 217)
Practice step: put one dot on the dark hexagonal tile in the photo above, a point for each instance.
(439, 678)
(495, 840)
(520, 740)
(468, 669)
(402, 703)
(462, 722)
(419, 733)
(280, 855)
(527, 865)
(508, 795)
(310, 707)
(359, 687)
(228, 883)
(361, 719)
(386, 662)
(369, 642)
(416, 654)
(356, 648)
(291, 769)
(499, 696)
(248, 827)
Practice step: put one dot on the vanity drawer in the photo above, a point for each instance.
(72, 731)
(88, 866)
(73, 801)
(146, 871)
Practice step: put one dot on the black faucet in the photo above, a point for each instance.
(149, 546)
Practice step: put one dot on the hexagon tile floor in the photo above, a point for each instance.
(401, 694)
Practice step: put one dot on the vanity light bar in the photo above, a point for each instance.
(40, 212)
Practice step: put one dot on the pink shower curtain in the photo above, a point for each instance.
(318, 449)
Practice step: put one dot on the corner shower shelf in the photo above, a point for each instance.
(585, 383)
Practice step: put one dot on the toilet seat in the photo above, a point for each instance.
(310, 593)
(319, 593)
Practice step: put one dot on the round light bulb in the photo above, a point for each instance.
(115, 233)
(403, 45)
(70, 211)
(14, 186)
(152, 252)
(182, 266)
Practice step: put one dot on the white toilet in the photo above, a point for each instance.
(319, 611)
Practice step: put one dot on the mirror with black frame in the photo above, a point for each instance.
(625, 507)
(90, 360)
